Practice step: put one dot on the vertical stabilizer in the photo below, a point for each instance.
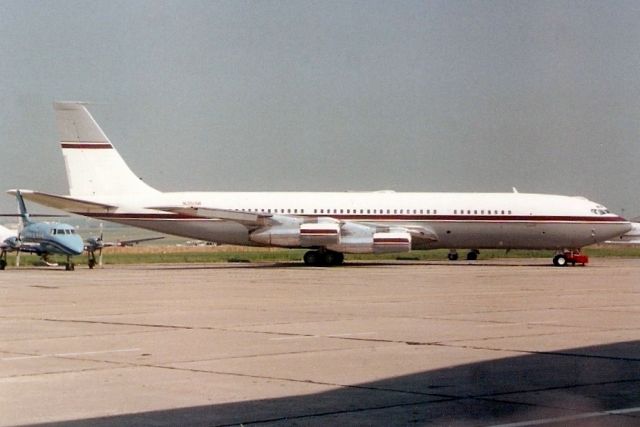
(94, 167)
(22, 209)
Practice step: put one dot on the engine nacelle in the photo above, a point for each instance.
(277, 236)
(13, 242)
(330, 234)
(319, 234)
(376, 243)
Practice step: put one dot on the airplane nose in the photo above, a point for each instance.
(78, 245)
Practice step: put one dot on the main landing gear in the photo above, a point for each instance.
(69, 266)
(472, 255)
(573, 257)
(323, 258)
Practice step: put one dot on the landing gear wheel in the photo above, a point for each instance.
(560, 260)
(452, 256)
(328, 258)
(3, 264)
(311, 258)
(332, 258)
(92, 263)
(69, 266)
(472, 255)
(338, 258)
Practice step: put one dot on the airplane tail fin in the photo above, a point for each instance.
(94, 167)
(22, 208)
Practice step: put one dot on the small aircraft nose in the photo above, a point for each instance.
(77, 245)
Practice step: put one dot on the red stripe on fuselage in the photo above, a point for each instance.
(374, 218)
(91, 146)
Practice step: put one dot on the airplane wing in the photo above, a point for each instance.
(246, 218)
(255, 220)
(136, 241)
(32, 248)
(422, 233)
(64, 203)
(93, 244)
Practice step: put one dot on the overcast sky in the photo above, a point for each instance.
(332, 95)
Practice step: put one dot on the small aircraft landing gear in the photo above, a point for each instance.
(3, 260)
(323, 258)
(69, 266)
(572, 257)
(452, 255)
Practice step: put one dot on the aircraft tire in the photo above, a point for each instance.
(3, 264)
(338, 258)
(560, 260)
(472, 255)
(91, 263)
(452, 256)
(319, 259)
(331, 258)
(311, 258)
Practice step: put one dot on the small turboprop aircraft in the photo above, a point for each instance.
(53, 238)
(41, 238)
(102, 186)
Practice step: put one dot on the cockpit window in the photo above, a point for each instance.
(600, 211)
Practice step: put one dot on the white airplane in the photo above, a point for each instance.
(102, 186)
(632, 237)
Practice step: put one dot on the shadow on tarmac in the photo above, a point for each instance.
(348, 264)
(532, 387)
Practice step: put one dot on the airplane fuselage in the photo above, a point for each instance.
(53, 238)
(460, 220)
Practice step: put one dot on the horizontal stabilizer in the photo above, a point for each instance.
(64, 203)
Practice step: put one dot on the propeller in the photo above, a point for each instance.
(94, 244)
(18, 240)
(101, 244)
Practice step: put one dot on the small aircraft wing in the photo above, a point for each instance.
(136, 241)
(31, 248)
(64, 203)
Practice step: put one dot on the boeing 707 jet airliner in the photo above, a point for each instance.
(102, 186)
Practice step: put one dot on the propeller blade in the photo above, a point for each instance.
(18, 257)
(100, 258)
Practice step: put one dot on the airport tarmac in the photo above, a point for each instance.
(502, 342)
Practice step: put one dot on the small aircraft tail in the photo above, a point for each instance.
(22, 208)
(94, 167)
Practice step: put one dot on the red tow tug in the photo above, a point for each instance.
(570, 257)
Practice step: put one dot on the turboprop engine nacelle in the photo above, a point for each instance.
(13, 242)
